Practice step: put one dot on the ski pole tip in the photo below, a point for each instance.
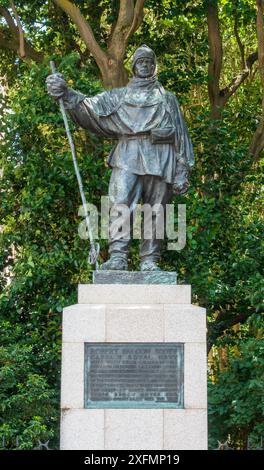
(52, 66)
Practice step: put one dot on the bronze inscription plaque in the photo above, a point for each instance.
(133, 375)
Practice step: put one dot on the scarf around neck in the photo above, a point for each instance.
(150, 86)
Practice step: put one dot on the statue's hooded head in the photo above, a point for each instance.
(144, 62)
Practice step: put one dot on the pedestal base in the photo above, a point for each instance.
(134, 277)
(123, 314)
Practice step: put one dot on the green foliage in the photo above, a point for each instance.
(236, 402)
(29, 404)
(40, 249)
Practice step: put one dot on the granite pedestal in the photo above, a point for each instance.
(114, 314)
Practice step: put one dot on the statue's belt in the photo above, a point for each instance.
(165, 135)
(134, 136)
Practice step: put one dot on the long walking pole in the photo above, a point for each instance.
(95, 248)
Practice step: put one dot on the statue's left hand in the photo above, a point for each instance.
(179, 189)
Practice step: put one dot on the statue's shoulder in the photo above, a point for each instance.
(171, 99)
(106, 102)
(117, 92)
(115, 95)
(171, 96)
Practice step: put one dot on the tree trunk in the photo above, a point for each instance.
(219, 97)
(257, 144)
(215, 59)
(111, 61)
(114, 74)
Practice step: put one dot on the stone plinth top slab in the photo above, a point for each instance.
(133, 294)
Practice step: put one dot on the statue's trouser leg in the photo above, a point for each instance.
(125, 190)
(156, 193)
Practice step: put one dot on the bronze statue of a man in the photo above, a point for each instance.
(153, 155)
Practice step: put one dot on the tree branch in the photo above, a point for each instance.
(125, 18)
(129, 19)
(13, 43)
(251, 59)
(9, 20)
(239, 43)
(219, 97)
(84, 29)
(125, 15)
(138, 17)
(229, 90)
(22, 51)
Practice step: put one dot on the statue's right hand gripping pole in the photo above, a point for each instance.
(95, 247)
